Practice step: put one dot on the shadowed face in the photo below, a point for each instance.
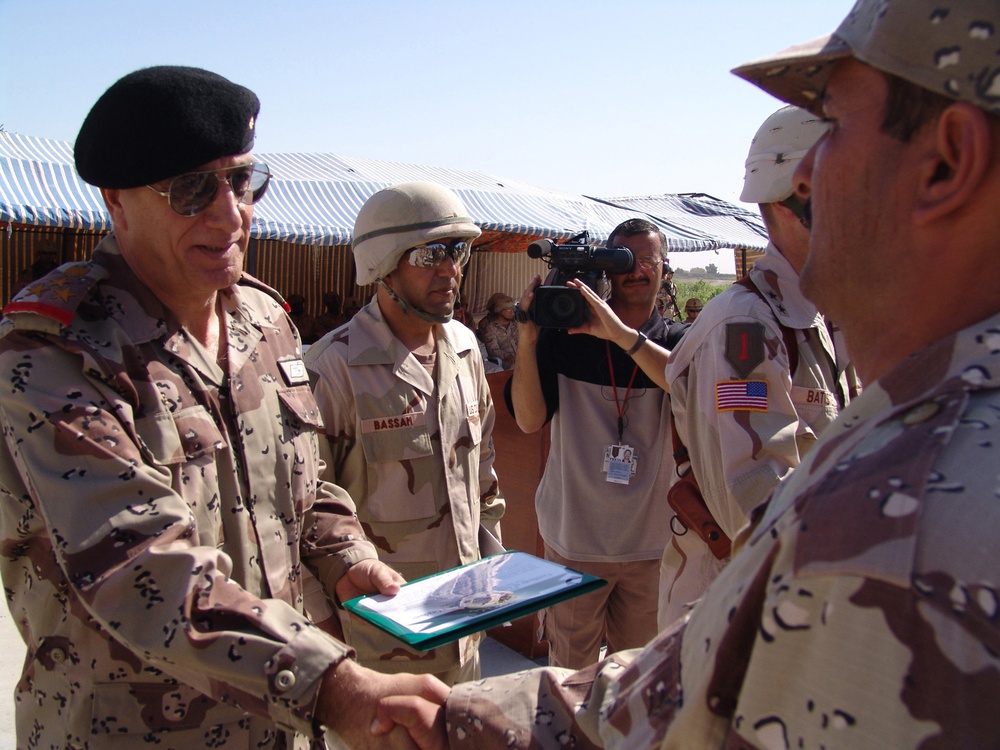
(858, 181)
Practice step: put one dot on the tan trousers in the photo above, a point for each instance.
(622, 614)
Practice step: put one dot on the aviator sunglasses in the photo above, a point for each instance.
(192, 192)
(433, 253)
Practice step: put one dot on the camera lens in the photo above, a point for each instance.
(559, 307)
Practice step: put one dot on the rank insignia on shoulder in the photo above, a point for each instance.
(294, 372)
(744, 346)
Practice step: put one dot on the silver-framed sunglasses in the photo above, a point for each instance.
(434, 253)
(191, 193)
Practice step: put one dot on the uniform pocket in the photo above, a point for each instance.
(400, 488)
(176, 437)
(396, 438)
(302, 403)
(123, 708)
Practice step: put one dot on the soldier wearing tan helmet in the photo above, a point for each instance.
(861, 611)
(407, 410)
(692, 307)
(757, 380)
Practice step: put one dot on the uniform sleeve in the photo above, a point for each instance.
(739, 456)
(491, 502)
(132, 549)
(626, 701)
(342, 467)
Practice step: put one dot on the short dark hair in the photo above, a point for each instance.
(632, 227)
(908, 107)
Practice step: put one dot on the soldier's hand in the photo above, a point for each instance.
(423, 715)
(349, 706)
(528, 331)
(369, 577)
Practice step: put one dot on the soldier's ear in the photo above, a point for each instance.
(953, 158)
(112, 199)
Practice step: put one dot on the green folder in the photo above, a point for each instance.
(443, 607)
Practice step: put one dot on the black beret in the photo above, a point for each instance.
(160, 122)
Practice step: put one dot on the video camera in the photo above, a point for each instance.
(559, 306)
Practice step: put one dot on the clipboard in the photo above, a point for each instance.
(441, 608)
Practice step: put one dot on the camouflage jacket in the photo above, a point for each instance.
(156, 511)
(500, 337)
(861, 613)
(744, 417)
(417, 457)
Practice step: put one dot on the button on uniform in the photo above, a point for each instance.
(285, 680)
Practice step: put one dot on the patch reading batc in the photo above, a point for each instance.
(744, 346)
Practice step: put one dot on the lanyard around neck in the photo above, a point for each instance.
(620, 407)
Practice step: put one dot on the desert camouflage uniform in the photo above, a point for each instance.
(417, 457)
(156, 512)
(500, 337)
(862, 612)
(739, 456)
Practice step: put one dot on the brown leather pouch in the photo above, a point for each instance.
(686, 501)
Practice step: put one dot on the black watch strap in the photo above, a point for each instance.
(520, 315)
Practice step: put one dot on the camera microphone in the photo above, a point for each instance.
(540, 248)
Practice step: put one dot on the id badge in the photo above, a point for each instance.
(619, 463)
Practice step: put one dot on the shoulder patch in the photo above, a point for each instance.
(744, 346)
(741, 395)
(57, 294)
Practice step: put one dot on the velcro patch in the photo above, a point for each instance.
(741, 395)
(744, 346)
(294, 372)
(402, 422)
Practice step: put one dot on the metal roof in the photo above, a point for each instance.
(314, 198)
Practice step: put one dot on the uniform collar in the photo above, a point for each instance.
(779, 283)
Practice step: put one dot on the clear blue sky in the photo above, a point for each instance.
(623, 98)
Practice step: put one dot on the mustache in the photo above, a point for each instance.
(807, 214)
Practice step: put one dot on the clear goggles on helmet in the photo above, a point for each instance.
(191, 193)
(433, 254)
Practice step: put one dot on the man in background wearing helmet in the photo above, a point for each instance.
(756, 380)
(408, 412)
(666, 297)
(692, 308)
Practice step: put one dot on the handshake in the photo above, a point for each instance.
(363, 708)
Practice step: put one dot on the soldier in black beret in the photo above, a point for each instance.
(163, 514)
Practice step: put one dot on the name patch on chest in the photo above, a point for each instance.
(402, 422)
(813, 396)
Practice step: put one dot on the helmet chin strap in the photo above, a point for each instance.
(408, 308)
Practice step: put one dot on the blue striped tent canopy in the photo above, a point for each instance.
(314, 199)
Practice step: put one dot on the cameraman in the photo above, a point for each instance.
(600, 511)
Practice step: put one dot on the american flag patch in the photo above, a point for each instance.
(741, 395)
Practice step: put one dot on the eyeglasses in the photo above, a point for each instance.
(191, 193)
(648, 264)
(433, 254)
